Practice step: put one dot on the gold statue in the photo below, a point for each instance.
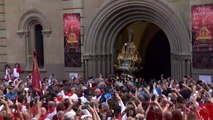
(71, 40)
(203, 38)
(129, 57)
(204, 33)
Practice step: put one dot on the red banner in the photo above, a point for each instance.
(36, 75)
(72, 43)
(202, 36)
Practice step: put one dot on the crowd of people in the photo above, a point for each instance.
(112, 97)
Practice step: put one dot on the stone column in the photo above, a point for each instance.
(25, 36)
(180, 65)
(27, 50)
(96, 64)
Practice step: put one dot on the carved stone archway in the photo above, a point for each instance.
(28, 20)
(114, 16)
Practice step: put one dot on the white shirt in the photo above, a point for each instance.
(15, 73)
(50, 115)
(83, 99)
(73, 97)
(97, 98)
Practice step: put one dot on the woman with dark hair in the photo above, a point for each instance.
(7, 72)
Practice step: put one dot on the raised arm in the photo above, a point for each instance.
(38, 115)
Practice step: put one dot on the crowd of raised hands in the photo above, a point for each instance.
(107, 98)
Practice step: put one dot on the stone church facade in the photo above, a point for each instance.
(101, 21)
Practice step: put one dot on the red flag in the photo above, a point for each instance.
(36, 75)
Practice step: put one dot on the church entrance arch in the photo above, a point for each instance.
(150, 52)
(113, 17)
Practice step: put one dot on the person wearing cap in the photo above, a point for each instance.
(12, 95)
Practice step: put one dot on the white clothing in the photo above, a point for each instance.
(1, 107)
(70, 115)
(155, 92)
(73, 97)
(97, 98)
(50, 115)
(15, 73)
(83, 99)
(24, 108)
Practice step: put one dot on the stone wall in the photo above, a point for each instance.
(3, 40)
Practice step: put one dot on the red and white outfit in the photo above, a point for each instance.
(16, 72)
(71, 95)
(51, 113)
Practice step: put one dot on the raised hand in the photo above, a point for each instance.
(117, 96)
(90, 109)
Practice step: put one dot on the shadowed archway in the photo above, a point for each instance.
(158, 59)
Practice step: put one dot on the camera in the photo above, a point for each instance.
(13, 106)
(1, 97)
(85, 106)
(34, 100)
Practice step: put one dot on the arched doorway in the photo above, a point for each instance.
(114, 16)
(153, 47)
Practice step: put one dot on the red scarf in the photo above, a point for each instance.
(119, 117)
(69, 94)
(51, 110)
(59, 98)
(43, 117)
(105, 111)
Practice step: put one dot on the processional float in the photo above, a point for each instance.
(129, 59)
